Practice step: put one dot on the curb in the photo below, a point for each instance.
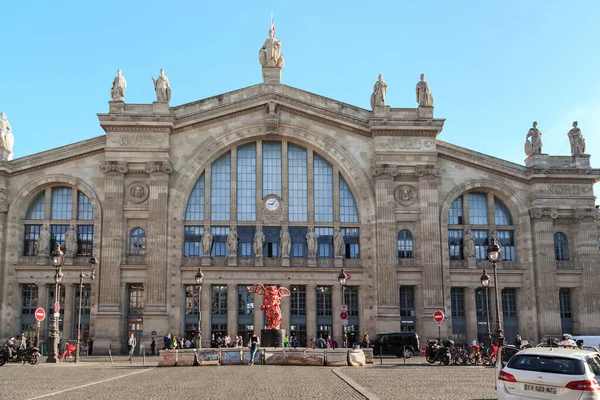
(367, 394)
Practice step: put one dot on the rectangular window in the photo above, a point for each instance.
(246, 241)
(481, 243)
(455, 244)
(86, 295)
(407, 301)
(31, 240)
(299, 246)
(324, 300)
(57, 236)
(482, 307)
(220, 189)
(348, 211)
(85, 240)
(323, 189)
(192, 241)
(507, 241)
(219, 248)
(478, 209)
(324, 242)
(191, 299)
(271, 249)
(29, 299)
(298, 300)
(245, 300)
(136, 299)
(246, 182)
(219, 300)
(85, 211)
(351, 300)
(62, 203)
(455, 214)
(566, 310)
(195, 205)
(351, 242)
(459, 327)
(509, 303)
(37, 207)
(297, 184)
(271, 168)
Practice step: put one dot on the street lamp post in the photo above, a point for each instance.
(199, 280)
(485, 282)
(93, 262)
(57, 260)
(493, 255)
(343, 279)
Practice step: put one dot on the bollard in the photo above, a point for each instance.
(110, 352)
(404, 353)
(144, 358)
(380, 356)
(143, 351)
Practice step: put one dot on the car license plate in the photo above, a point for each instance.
(540, 388)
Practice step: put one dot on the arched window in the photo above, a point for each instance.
(561, 247)
(291, 178)
(405, 244)
(47, 222)
(482, 223)
(137, 242)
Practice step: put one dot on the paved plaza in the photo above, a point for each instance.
(97, 378)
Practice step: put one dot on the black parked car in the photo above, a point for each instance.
(398, 344)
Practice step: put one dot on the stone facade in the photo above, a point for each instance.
(402, 178)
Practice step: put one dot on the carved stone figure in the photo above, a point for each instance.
(379, 93)
(8, 140)
(311, 241)
(535, 145)
(272, 118)
(162, 87)
(424, 97)
(269, 54)
(576, 139)
(259, 242)
(338, 243)
(71, 242)
(207, 241)
(469, 245)
(286, 242)
(117, 92)
(271, 303)
(232, 241)
(44, 242)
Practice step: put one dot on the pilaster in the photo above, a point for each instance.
(470, 314)
(336, 302)
(205, 307)
(259, 315)
(232, 309)
(311, 313)
(589, 259)
(286, 313)
(69, 314)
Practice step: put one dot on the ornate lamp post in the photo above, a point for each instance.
(485, 282)
(199, 280)
(493, 255)
(57, 260)
(343, 280)
(93, 262)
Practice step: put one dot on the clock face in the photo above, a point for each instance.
(272, 204)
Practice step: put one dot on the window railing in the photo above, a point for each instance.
(567, 265)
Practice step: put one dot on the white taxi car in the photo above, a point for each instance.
(547, 373)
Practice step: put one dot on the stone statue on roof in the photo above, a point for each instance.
(162, 87)
(379, 93)
(533, 146)
(424, 97)
(269, 54)
(576, 139)
(117, 92)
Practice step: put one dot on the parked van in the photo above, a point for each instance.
(589, 340)
(398, 344)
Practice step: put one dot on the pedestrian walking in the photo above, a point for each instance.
(167, 341)
(131, 343)
(152, 347)
(253, 347)
(286, 341)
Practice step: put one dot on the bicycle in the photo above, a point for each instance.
(67, 355)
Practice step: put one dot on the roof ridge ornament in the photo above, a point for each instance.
(270, 57)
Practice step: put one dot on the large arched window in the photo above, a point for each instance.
(561, 247)
(137, 242)
(405, 244)
(482, 214)
(50, 216)
(272, 184)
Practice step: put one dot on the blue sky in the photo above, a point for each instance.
(492, 67)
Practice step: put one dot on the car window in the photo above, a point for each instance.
(555, 365)
(594, 364)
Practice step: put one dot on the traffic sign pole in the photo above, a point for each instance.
(438, 317)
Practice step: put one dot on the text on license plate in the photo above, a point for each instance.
(540, 388)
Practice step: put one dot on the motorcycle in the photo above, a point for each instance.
(437, 352)
(30, 355)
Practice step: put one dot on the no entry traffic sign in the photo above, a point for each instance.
(40, 314)
(438, 316)
(344, 315)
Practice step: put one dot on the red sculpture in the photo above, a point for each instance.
(271, 303)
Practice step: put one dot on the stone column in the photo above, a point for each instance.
(43, 302)
(286, 316)
(470, 314)
(232, 309)
(418, 314)
(588, 258)
(387, 294)
(156, 255)
(259, 315)
(205, 308)
(336, 302)
(70, 311)
(311, 313)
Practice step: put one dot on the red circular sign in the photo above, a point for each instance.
(344, 315)
(40, 314)
(438, 316)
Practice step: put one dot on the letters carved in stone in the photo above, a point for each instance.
(565, 189)
(114, 167)
(139, 140)
(138, 192)
(405, 195)
(158, 166)
(407, 144)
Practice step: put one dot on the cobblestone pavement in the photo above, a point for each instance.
(96, 378)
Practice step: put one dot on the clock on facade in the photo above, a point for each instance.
(272, 204)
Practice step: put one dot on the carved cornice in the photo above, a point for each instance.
(428, 170)
(587, 213)
(153, 167)
(537, 213)
(114, 167)
(379, 170)
(120, 128)
(211, 120)
(400, 132)
(326, 120)
(53, 163)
